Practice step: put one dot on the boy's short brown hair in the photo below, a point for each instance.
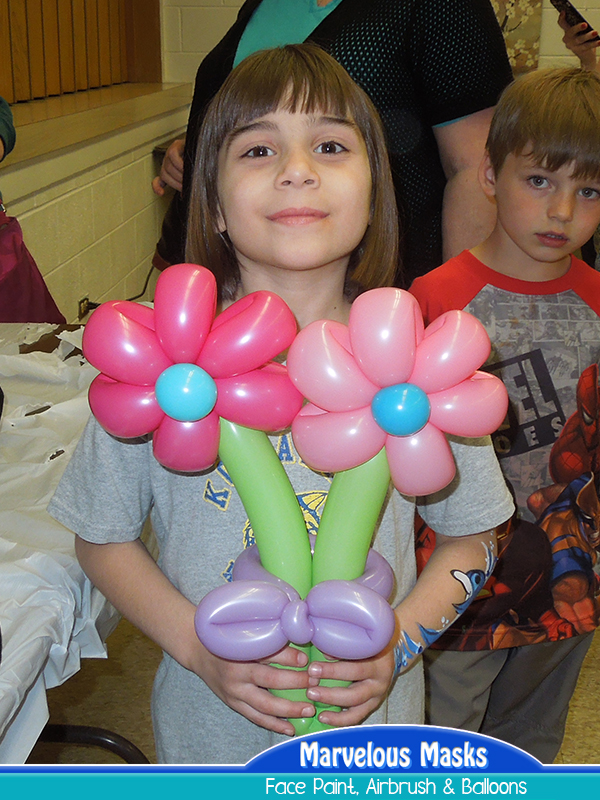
(552, 115)
(298, 78)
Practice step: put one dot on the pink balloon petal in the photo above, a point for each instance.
(332, 442)
(422, 463)
(247, 334)
(385, 327)
(475, 407)
(123, 348)
(187, 446)
(184, 308)
(264, 399)
(140, 313)
(124, 410)
(321, 365)
(454, 346)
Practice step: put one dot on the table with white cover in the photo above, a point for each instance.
(50, 614)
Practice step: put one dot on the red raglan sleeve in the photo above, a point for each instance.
(451, 286)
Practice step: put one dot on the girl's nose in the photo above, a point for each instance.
(297, 170)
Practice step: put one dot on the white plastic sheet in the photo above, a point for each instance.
(50, 615)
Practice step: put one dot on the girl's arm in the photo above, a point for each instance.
(457, 562)
(129, 577)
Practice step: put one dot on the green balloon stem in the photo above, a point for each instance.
(348, 521)
(275, 516)
(346, 529)
(270, 502)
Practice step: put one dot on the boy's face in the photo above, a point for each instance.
(543, 215)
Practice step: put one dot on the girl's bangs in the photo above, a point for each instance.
(280, 82)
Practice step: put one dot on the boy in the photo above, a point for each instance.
(508, 668)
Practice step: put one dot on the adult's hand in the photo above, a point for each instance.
(171, 171)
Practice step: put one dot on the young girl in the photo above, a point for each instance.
(292, 194)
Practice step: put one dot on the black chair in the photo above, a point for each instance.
(93, 737)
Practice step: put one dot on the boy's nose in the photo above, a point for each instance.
(562, 206)
(297, 170)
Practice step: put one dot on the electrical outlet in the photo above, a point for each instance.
(83, 307)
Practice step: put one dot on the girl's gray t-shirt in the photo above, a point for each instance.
(109, 488)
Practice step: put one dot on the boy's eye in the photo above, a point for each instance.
(258, 151)
(590, 193)
(329, 148)
(538, 181)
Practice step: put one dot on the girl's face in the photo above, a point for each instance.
(294, 192)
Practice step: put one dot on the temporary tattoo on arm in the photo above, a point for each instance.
(472, 581)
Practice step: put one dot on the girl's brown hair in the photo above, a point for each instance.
(300, 78)
(552, 115)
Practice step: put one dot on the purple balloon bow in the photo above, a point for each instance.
(257, 614)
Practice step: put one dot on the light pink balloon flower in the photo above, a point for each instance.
(386, 381)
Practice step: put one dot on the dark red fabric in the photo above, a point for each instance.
(24, 296)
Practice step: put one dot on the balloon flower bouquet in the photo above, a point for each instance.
(381, 393)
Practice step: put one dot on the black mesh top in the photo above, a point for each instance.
(423, 63)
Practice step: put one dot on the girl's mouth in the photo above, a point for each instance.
(297, 216)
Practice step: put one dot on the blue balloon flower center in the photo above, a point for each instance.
(186, 392)
(401, 410)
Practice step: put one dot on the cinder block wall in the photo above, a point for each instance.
(190, 29)
(92, 234)
(88, 213)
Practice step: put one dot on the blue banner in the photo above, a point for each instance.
(363, 762)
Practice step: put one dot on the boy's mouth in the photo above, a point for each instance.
(551, 239)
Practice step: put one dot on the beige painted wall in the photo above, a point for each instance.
(552, 50)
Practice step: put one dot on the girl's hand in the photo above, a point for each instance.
(244, 687)
(579, 43)
(371, 681)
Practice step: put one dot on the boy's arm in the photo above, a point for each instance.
(129, 577)
(442, 591)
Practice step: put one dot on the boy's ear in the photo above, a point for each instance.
(487, 176)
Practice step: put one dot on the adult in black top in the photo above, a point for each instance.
(434, 70)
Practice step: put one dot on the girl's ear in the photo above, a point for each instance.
(221, 226)
(487, 176)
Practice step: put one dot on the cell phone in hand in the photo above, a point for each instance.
(573, 17)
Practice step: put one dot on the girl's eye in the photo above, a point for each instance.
(590, 193)
(329, 148)
(538, 181)
(258, 151)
